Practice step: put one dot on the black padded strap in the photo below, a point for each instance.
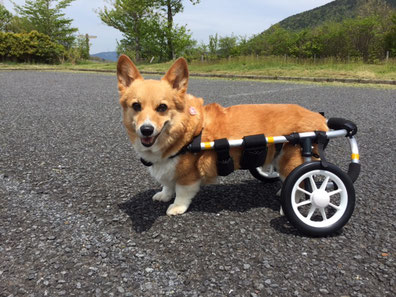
(322, 140)
(255, 141)
(254, 151)
(225, 164)
(195, 145)
(181, 152)
(293, 138)
(222, 147)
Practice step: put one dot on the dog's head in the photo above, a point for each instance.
(151, 108)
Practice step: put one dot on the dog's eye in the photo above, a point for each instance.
(137, 106)
(162, 108)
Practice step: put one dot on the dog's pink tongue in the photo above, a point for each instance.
(147, 140)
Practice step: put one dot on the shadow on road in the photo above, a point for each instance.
(249, 194)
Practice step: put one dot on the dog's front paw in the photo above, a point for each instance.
(175, 209)
(162, 196)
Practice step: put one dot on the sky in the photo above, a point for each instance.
(224, 17)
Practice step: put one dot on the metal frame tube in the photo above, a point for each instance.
(354, 149)
(354, 166)
(277, 139)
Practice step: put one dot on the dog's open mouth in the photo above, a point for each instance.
(148, 141)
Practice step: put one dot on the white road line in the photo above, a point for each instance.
(269, 91)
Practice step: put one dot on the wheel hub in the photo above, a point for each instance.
(320, 198)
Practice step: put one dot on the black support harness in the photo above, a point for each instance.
(194, 147)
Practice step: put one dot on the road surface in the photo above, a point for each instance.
(77, 219)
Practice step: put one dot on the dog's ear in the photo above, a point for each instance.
(177, 75)
(126, 72)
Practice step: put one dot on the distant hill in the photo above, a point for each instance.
(107, 56)
(337, 11)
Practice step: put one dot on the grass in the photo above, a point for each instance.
(264, 66)
(277, 66)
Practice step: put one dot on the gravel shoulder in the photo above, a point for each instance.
(77, 219)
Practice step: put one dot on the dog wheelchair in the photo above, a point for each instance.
(318, 198)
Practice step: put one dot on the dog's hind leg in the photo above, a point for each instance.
(184, 196)
(166, 194)
(289, 159)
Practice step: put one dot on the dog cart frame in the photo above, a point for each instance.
(317, 197)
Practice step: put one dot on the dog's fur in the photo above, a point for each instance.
(176, 117)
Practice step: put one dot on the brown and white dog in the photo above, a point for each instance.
(161, 118)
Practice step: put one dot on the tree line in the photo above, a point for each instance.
(370, 39)
(40, 32)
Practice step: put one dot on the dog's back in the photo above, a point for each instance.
(238, 121)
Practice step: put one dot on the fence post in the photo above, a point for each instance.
(387, 56)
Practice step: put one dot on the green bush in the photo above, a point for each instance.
(30, 47)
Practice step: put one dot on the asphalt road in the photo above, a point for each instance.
(77, 219)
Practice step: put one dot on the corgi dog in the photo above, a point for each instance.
(161, 118)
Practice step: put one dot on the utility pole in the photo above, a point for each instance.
(87, 38)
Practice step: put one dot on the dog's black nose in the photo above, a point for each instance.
(147, 130)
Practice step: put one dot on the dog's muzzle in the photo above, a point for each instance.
(147, 132)
(147, 139)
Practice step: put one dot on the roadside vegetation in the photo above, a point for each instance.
(271, 66)
(362, 47)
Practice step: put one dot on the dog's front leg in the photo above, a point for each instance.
(184, 196)
(166, 194)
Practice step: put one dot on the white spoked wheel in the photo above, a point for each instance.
(265, 173)
(317, 200)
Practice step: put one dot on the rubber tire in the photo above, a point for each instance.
(261, 178)
(287, 206)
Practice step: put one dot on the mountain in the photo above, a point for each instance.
(107, 56)
(337, 11)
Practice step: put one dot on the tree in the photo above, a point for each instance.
(46, 16)
(333, 40)
(171, 8)
(147, 27)
(364, 36)
(5, 18)
(213, 44)
(228, 46)
(390, 37)
(132, 19)
(82, 45)
(280, 41)
(370, 8)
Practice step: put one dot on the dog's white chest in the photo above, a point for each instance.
(164, 171)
